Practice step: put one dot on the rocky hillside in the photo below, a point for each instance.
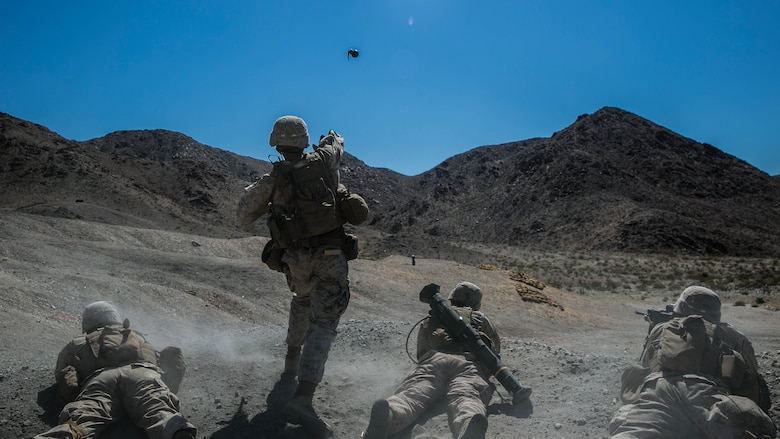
(610, 181)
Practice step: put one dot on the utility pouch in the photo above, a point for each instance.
(732, 369)
(276, 229)
(350, 246)
(272, 256)
(353, 208)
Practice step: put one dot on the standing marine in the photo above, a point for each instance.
(300, 197)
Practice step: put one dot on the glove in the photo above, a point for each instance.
(68, 386)
(331, 138)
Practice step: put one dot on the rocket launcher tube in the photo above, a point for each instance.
(474, 344)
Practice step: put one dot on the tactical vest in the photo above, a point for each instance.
(303, 201)
(115, 346)
(441, 340)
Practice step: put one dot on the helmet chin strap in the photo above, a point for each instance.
(291, 154)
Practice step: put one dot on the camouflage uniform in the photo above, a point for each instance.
(689, 406)
(317, 272)
(669, 404)
(98, 396)
(319, 278)
(445, 369)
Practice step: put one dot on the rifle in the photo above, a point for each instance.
(656, 316)
(474, 343)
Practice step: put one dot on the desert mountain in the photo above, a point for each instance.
(611, 181)
(145, 219)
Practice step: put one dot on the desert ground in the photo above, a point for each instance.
(567, 322)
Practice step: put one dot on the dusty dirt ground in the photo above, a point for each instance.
(215, 299)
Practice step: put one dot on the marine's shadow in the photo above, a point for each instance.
(51, 405)
(268, 424)
(521, 410)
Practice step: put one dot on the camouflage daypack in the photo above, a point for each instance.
(115, 346)
(306, 205)
(681, 345)
(694, 345)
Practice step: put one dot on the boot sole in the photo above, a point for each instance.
(379, 422)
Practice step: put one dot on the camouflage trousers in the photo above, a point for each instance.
(440, 375)
(135, 391)
(319, 279)
(689, 407)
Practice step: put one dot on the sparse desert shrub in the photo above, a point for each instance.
(760, 301)
(739, 303)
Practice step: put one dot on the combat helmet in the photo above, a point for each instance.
(99, 314)
(698, 300)
(289, 131)
(466, 294)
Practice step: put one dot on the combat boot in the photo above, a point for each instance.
(474, 428)
(379, 422)
(299, 411)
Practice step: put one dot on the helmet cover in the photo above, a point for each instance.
(290, 131)
(466, 294)
(99, 314)
(699, 300)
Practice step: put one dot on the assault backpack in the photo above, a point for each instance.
(307, 205)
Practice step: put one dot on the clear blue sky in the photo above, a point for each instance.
(434, 77)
